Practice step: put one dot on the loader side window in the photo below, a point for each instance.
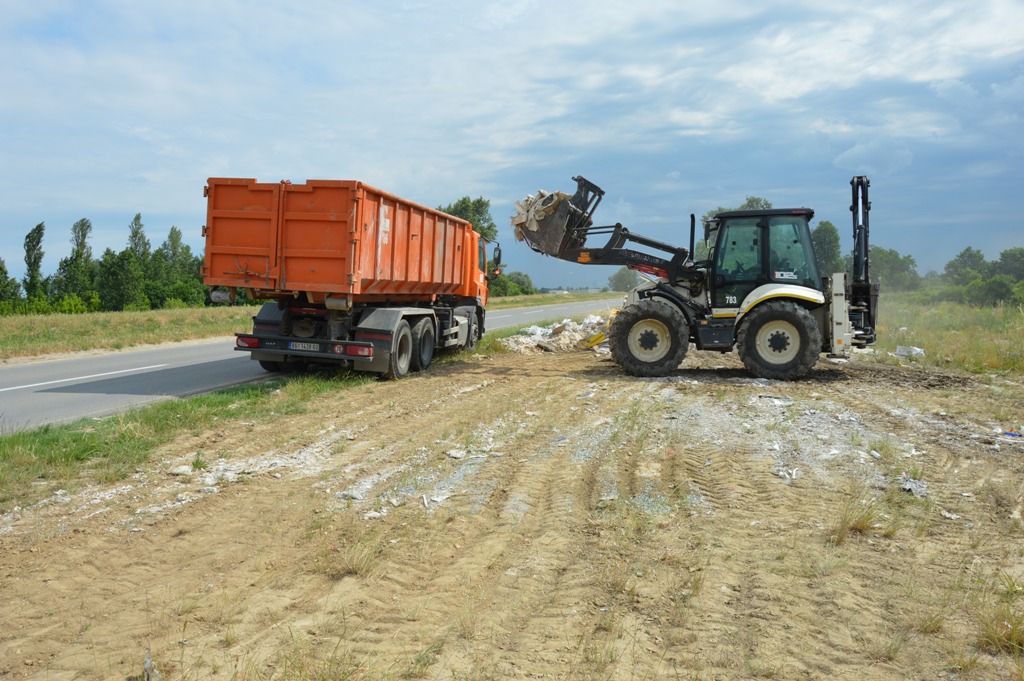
(739, 256)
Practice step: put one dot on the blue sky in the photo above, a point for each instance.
(109, 109)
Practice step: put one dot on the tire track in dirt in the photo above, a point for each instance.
(531, 507)
(595, 526)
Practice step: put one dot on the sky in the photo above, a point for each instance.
(112, 108)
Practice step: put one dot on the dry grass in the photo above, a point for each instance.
(28, 335)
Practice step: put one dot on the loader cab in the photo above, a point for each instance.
(752, 248)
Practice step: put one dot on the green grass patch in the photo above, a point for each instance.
(953, 335)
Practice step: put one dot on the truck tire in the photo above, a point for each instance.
(649, 338)
(779, 340)
(423, 342)
(474, 334)
(271, 366)
(401, 352)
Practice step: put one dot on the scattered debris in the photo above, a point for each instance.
(919, 488)
(904, 351)
(558, 337)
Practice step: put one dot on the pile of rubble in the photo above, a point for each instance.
(559, 337)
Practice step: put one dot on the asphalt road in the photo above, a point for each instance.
(57, 391)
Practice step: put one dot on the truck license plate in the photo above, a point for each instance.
(295, 345)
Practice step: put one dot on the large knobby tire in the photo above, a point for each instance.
(401, 352)
(779, 340)
(423, 343)
(648, 338)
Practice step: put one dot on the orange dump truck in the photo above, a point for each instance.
(351, 274)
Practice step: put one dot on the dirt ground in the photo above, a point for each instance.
(546, 516)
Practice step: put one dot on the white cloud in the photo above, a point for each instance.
(877, 157)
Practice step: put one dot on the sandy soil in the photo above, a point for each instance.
(546, 516)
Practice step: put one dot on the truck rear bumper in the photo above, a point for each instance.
(361, 355)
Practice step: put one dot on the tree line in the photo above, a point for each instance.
(135, 278)
(142, 278)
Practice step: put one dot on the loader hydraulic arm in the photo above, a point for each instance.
(561, 226)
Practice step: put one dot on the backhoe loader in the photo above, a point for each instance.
(756, 287)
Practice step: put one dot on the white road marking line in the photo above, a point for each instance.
(81, 378)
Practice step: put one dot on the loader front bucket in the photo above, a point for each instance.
(541, 221)
(552, 222)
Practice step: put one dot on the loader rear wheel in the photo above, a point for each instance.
(779, 340)
(648, 338)
(401, 352)
(423, 342)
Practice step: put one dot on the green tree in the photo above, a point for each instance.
(968, 265)
(751, 203)
(523, 282)
(1011, 263)
(76, 274)
(477, 211)
(501, 286)
(896, 272)
(10, 289)
(137, 241)
(33, 280)
(825, 238)
(173, 274)
(624, 279)
(990, 290)
(121, 281)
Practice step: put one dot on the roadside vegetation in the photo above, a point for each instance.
(44, 334)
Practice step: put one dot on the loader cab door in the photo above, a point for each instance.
(738, 263)
(790, 252)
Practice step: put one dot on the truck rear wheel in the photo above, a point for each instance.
(269, 365)
(401, 352)
(423, 342)
(779, 340)
(648, 338)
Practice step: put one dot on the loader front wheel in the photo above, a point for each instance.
(779, 340)
(648, 338)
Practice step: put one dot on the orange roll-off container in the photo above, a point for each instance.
(336, 239)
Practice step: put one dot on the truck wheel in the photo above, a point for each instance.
(401, 352)
(779, 340)
(474, 335)
(423, 342)
(271, 366)
(648, 338)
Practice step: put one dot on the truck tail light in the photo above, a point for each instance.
(247, 342)
(359, 351)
